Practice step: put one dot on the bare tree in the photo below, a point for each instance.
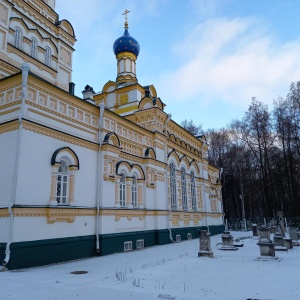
(190, 126)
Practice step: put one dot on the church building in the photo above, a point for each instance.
(103, 173)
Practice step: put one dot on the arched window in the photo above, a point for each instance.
(62, 183)
(183, 189)
(33, 48)
(48, 56)
(134, 192)
(122, 190)
(65, 164)
(173, 186)
(193, 191)
(18, 38)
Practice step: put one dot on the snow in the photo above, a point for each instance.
(173, 271)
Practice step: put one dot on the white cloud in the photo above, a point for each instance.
(231, 60)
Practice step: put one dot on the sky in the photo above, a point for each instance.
(206, 58)
(172, 271)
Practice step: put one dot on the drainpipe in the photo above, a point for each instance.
(169, 116)
(99, 179)
(25, 70)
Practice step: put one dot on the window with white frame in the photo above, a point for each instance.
(178, 238)
(18, 38)
(62, 183)
(139, 244)
(33, 49)
(48, 56)
(193, 191)
(122, 190)
(134, 191)
(173, 186)
(189, 236)
(65, 164)
(183, 189)
(128, 246)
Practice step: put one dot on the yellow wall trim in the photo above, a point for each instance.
(125, 109)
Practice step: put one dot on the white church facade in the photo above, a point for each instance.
(108, 172)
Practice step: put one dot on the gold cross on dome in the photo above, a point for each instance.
(125, 13)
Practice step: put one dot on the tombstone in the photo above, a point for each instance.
(264, 232)
(267, 251)
(254, 230)
(294, 236)
(205, 245)
(238, 243)
(273, 229)
(227, 241)
(278, 242)
(288, 243)
(281, 223)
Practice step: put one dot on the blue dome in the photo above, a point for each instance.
(126, 43)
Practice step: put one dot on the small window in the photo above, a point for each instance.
(189, 236)
(139, 244)
(122, 190)
(48, 57)
(18, 38)
(128, 246)
(178, 238)
(34, 48)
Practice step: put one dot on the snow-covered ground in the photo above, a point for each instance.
(172, 271)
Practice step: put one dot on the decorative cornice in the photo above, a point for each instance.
(59, 135)
(9, 126)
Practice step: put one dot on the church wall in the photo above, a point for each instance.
(111, 100)
(160, 154)
(7, 165)
(4, 233)
(127, 224)
(39, 159)
(150, 198)
(162, 199)
(134, 95)
(37, 228)
(128, 221)
(108, 193)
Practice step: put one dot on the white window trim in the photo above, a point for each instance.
(48, 56)
(134, 193)
(127, 246)
(122, 190)
(173, 192)
(62, 186)
(33, 48)
(18, 38)
(139, 244)
(193, 192)
(183, 189)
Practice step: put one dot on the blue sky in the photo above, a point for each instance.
(206, 58)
